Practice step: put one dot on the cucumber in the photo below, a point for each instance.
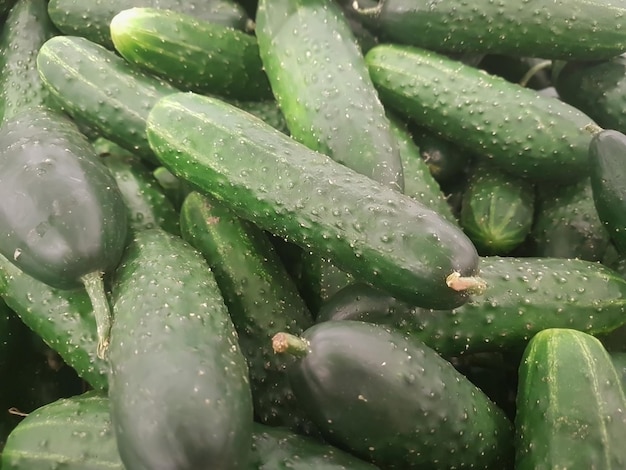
(388, 239)
(607, 156)
(260, 296)
(178, 385)
(516, 128)
(71, 433)
(393, 401)
(101, 91)
(585, 30)
(497, 209)
(195, 55)
(25, 29)
(92, 19)
(321, 83)
(571, 409)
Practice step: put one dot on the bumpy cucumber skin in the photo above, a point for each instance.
(92, 20)
(571, 409)
(560, 29)
(607, 156)
(194, 55)
(25, 29)
(516, 128)
(305, 197)
(73, 433)
(178, 384)
(320, 80)
(395, 402)
(100, 90)
(62, 214)
(260, 296)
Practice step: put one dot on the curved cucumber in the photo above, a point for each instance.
(534, 137)
(386, 238)
(178, 385)
(571, 409)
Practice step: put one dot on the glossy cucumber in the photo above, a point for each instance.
(607, 157)
(320, 80)
(192, 54)
(261, 298)
(516, 128)
(393, 401)
(560, 29)
(571, 409)
(100, 90)
(92, 19)
(25, 29)
(178, 386)
(307, 198)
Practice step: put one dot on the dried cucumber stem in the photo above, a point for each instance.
(94, 285)
(471, 284)
(369, 11)
(534, 70)
(290, 344)
(593, 128)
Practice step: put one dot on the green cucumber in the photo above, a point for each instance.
(260, 296)
(393, 401)
(571, 409)
(192, 54)
(92, 19)
(497, 209)
(178, 386)
(585, 30)
(320, 80)
(101, 91)
(71, 433)
(607, 157)
(25, 29)
(516, 128)
(388, 238)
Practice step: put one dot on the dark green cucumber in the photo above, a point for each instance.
(386, 238)
(178, 386)
(566, 223)
(24, 31)
(100, 90)
(607, 157)
(146, 203)
(571, 409)
(559, 29)
(92, 19)
(497, 209)
(195, 55)
(261, 298)
(72, 433)
(276, 447)
(393, 401)
(320, 80)
(516, 128)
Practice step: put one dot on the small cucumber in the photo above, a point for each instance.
(193, 54)
(571, 409)
(585, 30)
(516, 128)
(387, 238)
(178, 385)
(92, 19)
(393, 401)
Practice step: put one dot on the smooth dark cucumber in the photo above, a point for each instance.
(516, 128)
(571, 409)
(385, 238)
(178, 386)
(393, 401)
(261, 299)
(92, 19)
(559, 29)
(101, 91)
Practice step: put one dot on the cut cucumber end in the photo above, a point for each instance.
(470, 284)
(94, 285)
(285, 343)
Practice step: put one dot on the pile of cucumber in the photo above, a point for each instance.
(312, 234)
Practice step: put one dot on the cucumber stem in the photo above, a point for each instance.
(530, 73)
(471, 284)
(368, 11)
(593, 128)
(94, 285)
(290, 344)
